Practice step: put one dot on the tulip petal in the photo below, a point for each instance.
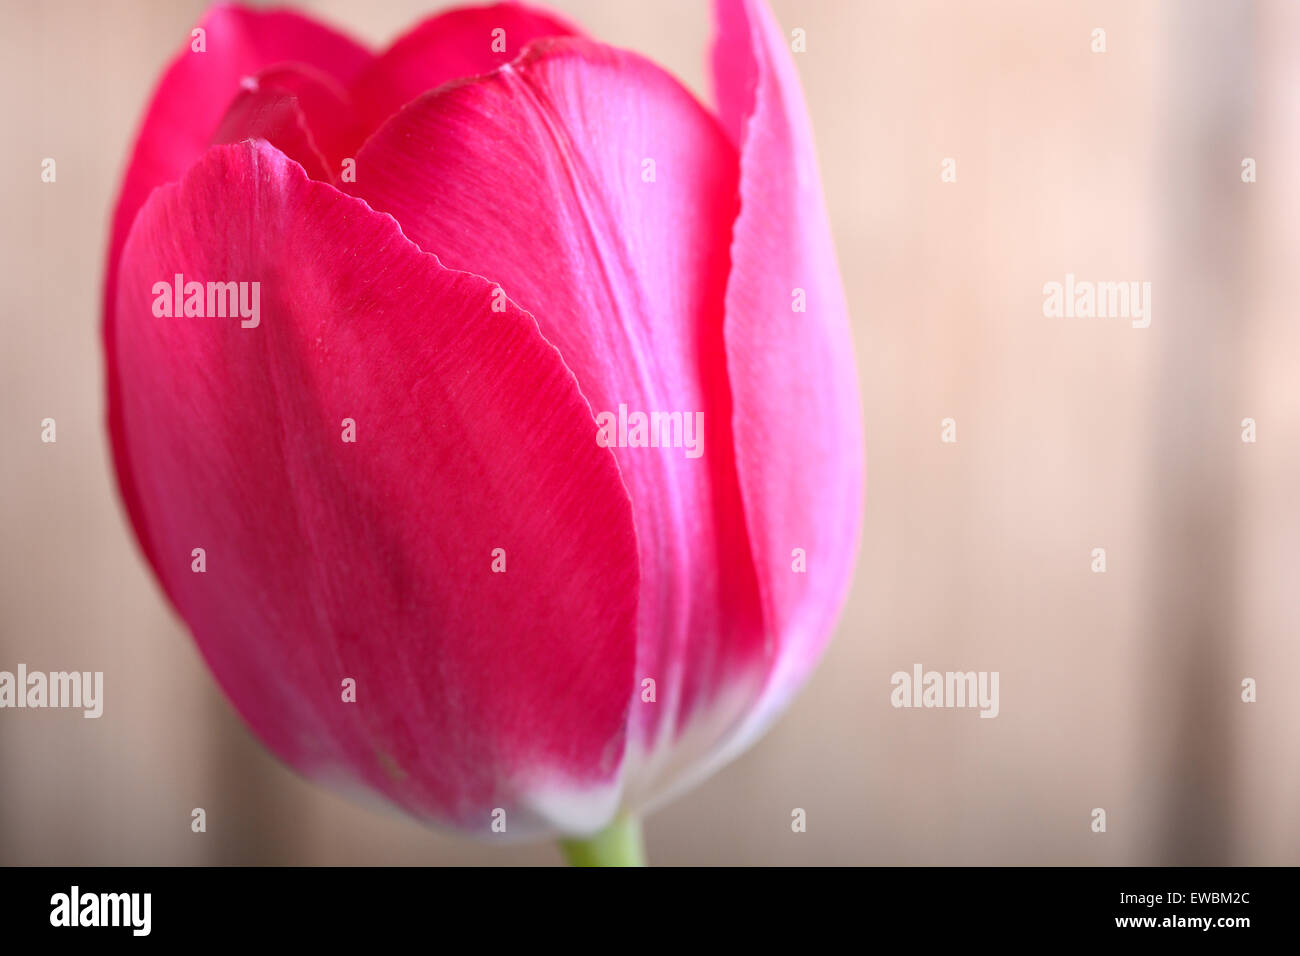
(372, 560)
(600, 195)
(300, 112)
(187, 106)
(454, 45)
(792, 373)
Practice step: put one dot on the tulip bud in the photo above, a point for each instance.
(525, 497)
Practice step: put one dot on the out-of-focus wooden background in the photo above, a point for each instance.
(1118, 690)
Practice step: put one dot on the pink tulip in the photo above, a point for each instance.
(391, 476)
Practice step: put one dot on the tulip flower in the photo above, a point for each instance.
(486, 407)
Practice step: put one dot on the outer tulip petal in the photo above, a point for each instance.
(798, 426)
(327, 560)
(538, 176)
(187, 106)
(450, 46)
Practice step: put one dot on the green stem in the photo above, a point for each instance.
(619, 844)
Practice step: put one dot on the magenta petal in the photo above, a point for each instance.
(454, 45)
(267, 112)
(300, 112)
(798, 429)
(372, 560)
(540, 176)
(186, 109)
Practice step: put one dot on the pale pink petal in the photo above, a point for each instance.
(798, 428)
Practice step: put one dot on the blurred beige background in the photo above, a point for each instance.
(1118, 690)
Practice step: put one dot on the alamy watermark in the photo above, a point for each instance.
(946, 689)
(1086, 299)
(626, 429)
(213, 300)
(37, 689)
(75, 908)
